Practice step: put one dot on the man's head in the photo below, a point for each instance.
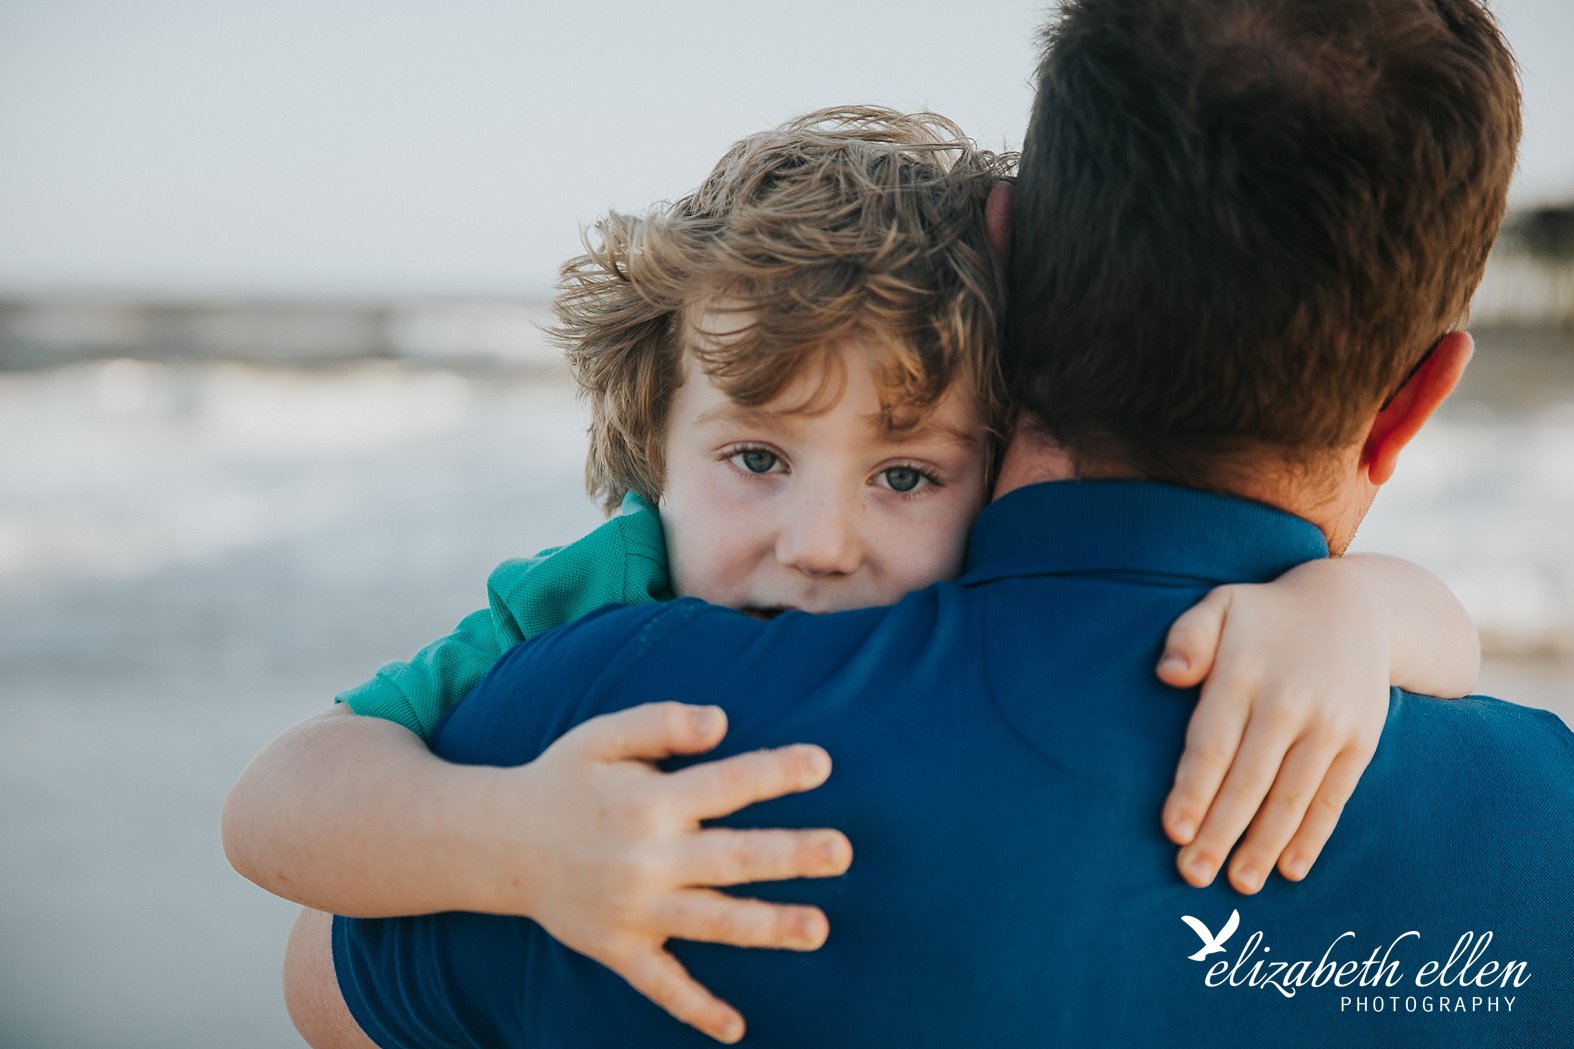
(1240, 224)
(831, 273)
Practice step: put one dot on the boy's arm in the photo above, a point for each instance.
(354, 815)
(1295, 679)
(419, 834)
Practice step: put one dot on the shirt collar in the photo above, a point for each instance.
(1137, 526)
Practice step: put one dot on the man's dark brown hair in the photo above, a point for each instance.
(1240, 223)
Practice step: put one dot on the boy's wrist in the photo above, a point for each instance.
(493, 810)
(1349, 585)
(1364, 593)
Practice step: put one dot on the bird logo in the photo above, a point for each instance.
(1212, 944)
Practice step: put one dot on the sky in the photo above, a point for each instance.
(392, 148)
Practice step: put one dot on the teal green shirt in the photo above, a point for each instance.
(624, 562)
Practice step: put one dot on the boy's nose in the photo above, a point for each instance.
(820, 539)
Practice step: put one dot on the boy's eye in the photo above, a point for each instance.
(755, 460)
(903, 479)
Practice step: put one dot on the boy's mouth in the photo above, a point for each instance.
(767, 613)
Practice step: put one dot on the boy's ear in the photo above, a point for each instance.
(1412, 405)
(997, 222)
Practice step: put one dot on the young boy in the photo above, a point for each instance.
(794, 402)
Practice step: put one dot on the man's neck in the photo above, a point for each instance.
(1336, 510)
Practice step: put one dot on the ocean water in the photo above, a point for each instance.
(195, 555)
(192, 558)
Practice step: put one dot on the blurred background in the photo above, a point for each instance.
(273, 399)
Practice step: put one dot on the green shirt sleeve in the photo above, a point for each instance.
(622, 562)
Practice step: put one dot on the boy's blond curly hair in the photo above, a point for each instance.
(854, 222)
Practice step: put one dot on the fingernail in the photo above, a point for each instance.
(1199, 871)
(1185, 830)
(1295, 869)
(833, 853)
(1250, 880)
(812, 933)
(731, 1030)
(1174, 661)
(706, 720)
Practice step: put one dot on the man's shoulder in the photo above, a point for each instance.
(677, 634)
(1481, 722)
(546, 684)
(586, 646)
(1510, 765)
(684, 650)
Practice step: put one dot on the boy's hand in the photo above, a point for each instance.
(620, 863)
(1295, 684)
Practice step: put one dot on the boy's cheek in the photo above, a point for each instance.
(926, 551)
(709, 547)
(947, 539)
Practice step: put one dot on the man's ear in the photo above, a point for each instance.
(1412, 405)
(997, 223)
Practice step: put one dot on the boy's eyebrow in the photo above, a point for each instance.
(930, 429)
(741, 413)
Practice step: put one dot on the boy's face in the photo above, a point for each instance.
(767, 509)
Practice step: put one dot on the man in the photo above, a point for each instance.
(1244, 236)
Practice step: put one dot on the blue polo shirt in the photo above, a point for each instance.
(1001, 752)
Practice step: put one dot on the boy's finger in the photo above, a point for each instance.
(1192, 643)
(1213, 738)
(720, 788)
(714, 917)
(650, 731)
(1305, 766)
(1323, 814)
(735, 857)
(1239, 798)
(661, 978)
